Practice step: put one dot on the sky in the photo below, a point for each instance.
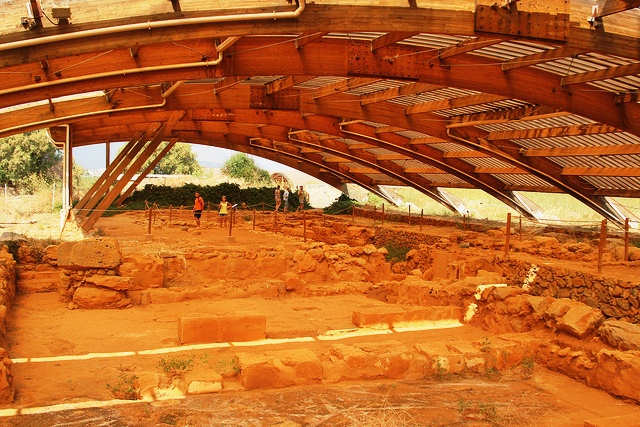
(92, 157)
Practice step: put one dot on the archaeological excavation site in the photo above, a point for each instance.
(450, 235)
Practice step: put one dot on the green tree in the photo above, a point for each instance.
(241, 166)
(180, 160)
(24, 156)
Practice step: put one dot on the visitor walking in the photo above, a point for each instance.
(277, 197)
(222, 213)
(285, 199)
(302, 197)
(198, 207)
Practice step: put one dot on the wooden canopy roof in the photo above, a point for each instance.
(430, 94)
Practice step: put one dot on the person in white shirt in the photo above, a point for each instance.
(285, 199)
(277, 197)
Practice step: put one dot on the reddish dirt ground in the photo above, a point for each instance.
(40, 325)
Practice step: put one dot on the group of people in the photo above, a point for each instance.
(198, 207)
(283, 196)
(223, 211)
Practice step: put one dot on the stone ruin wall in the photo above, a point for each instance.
(616, 298)
(7, 293)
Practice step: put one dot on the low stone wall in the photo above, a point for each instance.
(616, 298)
(579, 342)
(7, 293)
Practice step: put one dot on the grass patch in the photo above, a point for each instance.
(396, 252)
(127, 387)
(174, 366)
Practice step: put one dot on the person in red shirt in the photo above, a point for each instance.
(198, 207)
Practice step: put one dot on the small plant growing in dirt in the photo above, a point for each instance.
(463, 405)
(230, 366)
(489, 412)
(527, 364)
(485, 345)
(127, 387)
(396, 252)
(493, 374)
(174, 366)
(441, 371)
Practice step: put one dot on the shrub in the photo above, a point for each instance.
(127, 387)
(183, 196)
(341, 206)
(396, 252)
(174, 366)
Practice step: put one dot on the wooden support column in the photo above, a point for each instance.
(603, 242)
(67, 173)
(507, 236)
(626, 239)
(107, 154)
(145, 172)
(119, 185)
(99, 187)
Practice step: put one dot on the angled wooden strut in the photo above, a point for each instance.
(109, 177)
(111, 195)
(386, 167)
(107, 173)
(126, 193)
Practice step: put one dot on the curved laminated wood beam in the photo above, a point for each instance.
(337, 57)
(542, 168)
(316, 18)
(392, 142)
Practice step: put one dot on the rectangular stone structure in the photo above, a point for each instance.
(390, 317)
(201, 329)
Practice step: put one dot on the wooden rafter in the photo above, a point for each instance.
(389, 39)
(575, 130)
(539, 58)
(609, 7)
(604, 74)
(410, 89)
(447, 104)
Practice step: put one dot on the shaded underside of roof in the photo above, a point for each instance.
(334, 92)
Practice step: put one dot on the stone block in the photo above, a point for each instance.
(204, 387)
(580, 320)
(90, 297)
(146, 271)
(393, 317)
(117, 283)
(193, 330)
(619, 334)
(279, 369)
(90, 253)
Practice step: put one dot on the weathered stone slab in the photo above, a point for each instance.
(621, 335)
(90, 297)
(193, 330)
(390, 317)
(146, 271)
(117, 283)
(90, 253)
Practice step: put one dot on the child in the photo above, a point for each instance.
(222, 213)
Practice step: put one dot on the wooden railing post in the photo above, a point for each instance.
(409, 214)
(375, 212)
(382, 215)
(304, 225)
(230, 221)
(149, 221)
(626, 239)
(170, 214)
(353, 214)
(507, 236)
(603, 242)
(421, 218)
(520, 229)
